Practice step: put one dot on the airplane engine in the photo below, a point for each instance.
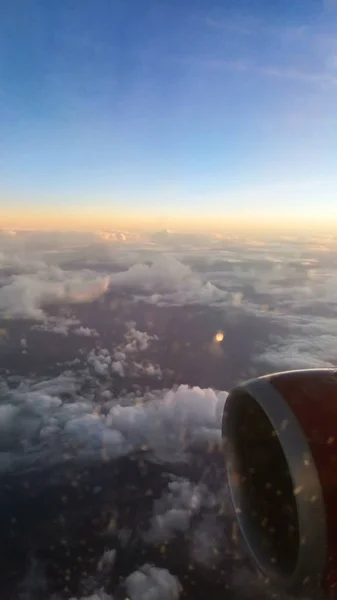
(280, 441)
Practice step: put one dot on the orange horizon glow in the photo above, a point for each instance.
(84, 218)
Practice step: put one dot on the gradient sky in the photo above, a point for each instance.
(155, 107)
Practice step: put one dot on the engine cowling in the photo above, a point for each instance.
(280, 441)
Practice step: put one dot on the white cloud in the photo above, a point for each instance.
(38, 279)
(64, 326)
(301, 349)
(107, 561)
(168, 423)
(59, 329)
(100, 360)
(148, 369)
(86, 332)
(168, 281)
(55, 421)
(120, 360)
(151, 583)
(289, 283)
(174, 510)
(19, 264)
(26, 295)
(118, 236)
(117, 366)
(319, 78)
(137, 340)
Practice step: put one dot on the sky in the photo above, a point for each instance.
(182, 113)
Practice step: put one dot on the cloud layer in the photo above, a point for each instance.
(35, 418)
(288, 283)
(91, 325)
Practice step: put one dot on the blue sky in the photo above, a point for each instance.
(193, 105)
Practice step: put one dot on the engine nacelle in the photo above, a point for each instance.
(280, 441)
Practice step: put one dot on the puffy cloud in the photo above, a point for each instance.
(107, 561)
(148, 369)
(86, 332)
(170, 422)
(26, 295)
(70, 418)
(117, 366)
(168, 281)
(59, 329)
(152, 583)
(15, 263)
(120, 360)
(55, 421)
(100, 360)
(118, 236)
(35, 283)
(64, 326)
(29, 251)
(300, 349)
(136, 340)
(174, 510)
(164, 274)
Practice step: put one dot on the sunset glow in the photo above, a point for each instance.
(166, 127)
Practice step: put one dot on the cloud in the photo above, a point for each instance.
(315, 41)
(287, 283)
(148, 370)
(38, 271)
(322, 78)
(175, 509)
(64, 326)
(100, 360)
(120, 360)
(59, 329)
(136, 341)
(300, 350)
(168, 281)
(86, 332)
(26, 296)
(7, 232)
(152, 583)
(55, 420)
(118, 236)
(19, 264)
(107, 561)
(78, 417)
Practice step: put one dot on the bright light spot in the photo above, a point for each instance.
(219, 336)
